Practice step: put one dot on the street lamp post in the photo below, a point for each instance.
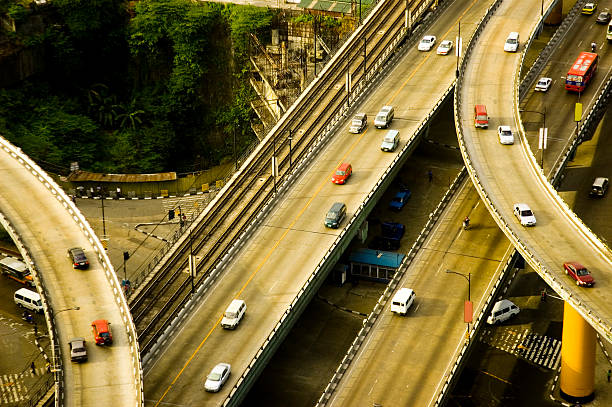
(468, 303)
(65, 309)
(101, 191)
(542, 141)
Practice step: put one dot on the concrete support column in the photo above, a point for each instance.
(577, 381)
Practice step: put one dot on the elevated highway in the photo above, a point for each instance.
(490, 76)
(270, 271)
(45, 223)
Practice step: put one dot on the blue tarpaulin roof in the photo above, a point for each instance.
(376, 258)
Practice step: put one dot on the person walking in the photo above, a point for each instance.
(609, 374)
(430, 176)
(33, 367)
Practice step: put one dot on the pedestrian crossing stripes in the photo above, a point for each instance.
(190, 206)
(539, 349)
(13, 388)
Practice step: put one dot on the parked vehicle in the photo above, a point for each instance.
(502, 311)
(16, 270)
(359, 123)
(28, 299)
(599, 187)
(400, 200)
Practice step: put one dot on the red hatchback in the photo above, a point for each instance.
(342, 173)
(579, 273)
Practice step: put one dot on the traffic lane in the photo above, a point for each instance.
(267, 276)
(579, 174)
(558, 102)
(318, 209)
(48, 233)
(424, 341)
(554, 241)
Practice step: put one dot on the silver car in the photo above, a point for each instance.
(217, 377)
(78, 351)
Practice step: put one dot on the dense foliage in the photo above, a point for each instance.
(158, 87)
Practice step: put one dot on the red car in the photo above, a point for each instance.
(579, 273)
(342, 173)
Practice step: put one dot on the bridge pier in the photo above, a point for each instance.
(577, 380)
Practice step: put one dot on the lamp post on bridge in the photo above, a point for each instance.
(543, 137)
(467, 308)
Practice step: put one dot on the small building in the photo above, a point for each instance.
(374, 265)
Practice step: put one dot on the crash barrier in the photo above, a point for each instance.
(111, 277)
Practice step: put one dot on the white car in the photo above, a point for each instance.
(505, 135)
(524, 215)
(543, 84)
(427, 43)
(217, 377)
(445, 47)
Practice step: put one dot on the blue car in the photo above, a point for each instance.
(399, 200)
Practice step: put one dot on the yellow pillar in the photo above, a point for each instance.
(577, 380)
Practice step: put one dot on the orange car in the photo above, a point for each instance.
(342, 173)
(102, 332)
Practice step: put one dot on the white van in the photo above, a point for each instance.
(384, 118)
(28, 299)
(512, 42)
(402, 300)
(233, 314)
(502, 311)
(391, 141)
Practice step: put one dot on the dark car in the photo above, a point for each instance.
(78, 258)
(603, 17)
(579, 273)
(399, 200)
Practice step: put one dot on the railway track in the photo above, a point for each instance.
(156, 305)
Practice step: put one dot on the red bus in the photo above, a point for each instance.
(581, 71)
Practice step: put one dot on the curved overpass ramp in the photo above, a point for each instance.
(508, 174)
(46, 222)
